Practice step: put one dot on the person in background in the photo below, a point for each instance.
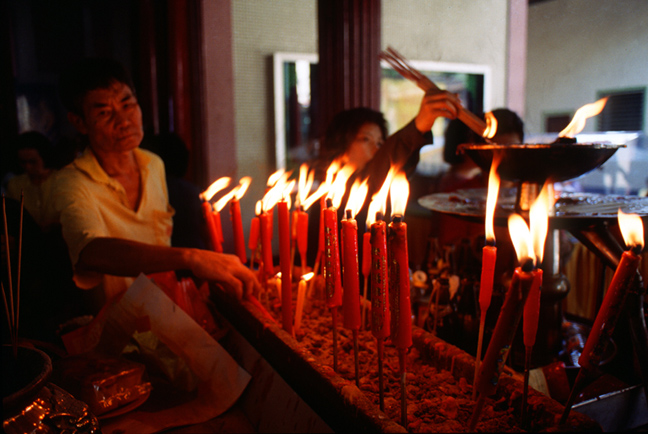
(188, 223)
(358, 136)
(112, 200)
(34, 154)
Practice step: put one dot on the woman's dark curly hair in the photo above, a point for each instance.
(343, 130)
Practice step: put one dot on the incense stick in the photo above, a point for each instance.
(20, 233)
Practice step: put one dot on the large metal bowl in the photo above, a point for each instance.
(535, 163)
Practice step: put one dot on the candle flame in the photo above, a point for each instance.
(258, 208)
(244, 183)
(521, 237)
(285, 195)
(324, 187)
(379, 200)
(357, 196)
(275, 193)
(338, 188)
(272, 179)
(399, 193)
(491, 197)
(491, 126)
(215, 187)
(305, 183)
(539, 219)
(632, 230)
(580, 117)
(236, 192)
(308, 276)
(220, 203)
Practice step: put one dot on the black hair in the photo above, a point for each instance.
(509, 122)
(345, 126)
(88, 75)
(39, 142)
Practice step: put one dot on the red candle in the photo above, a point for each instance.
(399, 285)
(253, 241)
(366, 254)
(284, 263)
(266, 243)
(211, 226)
(237, 229)
(610, 309)
(332, 258)
(351, 302)
(219, 231)
(302, 236)
(489, 255)
(532, 310)
(505, 328)
(380, 315)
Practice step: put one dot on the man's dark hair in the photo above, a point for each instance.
(88, 75)
(509, 122)
(345, 126)
(40, 143)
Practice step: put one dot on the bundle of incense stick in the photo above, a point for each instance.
(13, 309)
(400, 65)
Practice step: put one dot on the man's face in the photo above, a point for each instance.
(112, 119)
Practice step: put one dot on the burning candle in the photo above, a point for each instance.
(399, 284)
(253, 241)
(332, 257)
(489, 256)
(380, 315)
(284, 263)
(632, 231)
(351, 302)
(218, 241)
(509, 316)
(301, 297)
(266, 244)
(235, 217)
(302, 236)
(207, 209)
(366, 270)
(211, 225)
(332, 269)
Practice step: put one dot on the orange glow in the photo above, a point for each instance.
(632, 230)
(275, 194)
(491, 197)
(521, 237)
(539, 218)
(580, 117)
(272, 179)
(220, 203)
(305, 183)
(287, 190)
(308, 276)
(357, 196)
(379, 200)
(236, 192)
(324, 187)
(339, 184)
(491, 126)
(244, 183)
(215, 187)
(399, 193)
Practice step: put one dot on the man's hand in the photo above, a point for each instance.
(226, 269)
(434, 105)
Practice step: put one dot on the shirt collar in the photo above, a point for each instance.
(88, 164)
